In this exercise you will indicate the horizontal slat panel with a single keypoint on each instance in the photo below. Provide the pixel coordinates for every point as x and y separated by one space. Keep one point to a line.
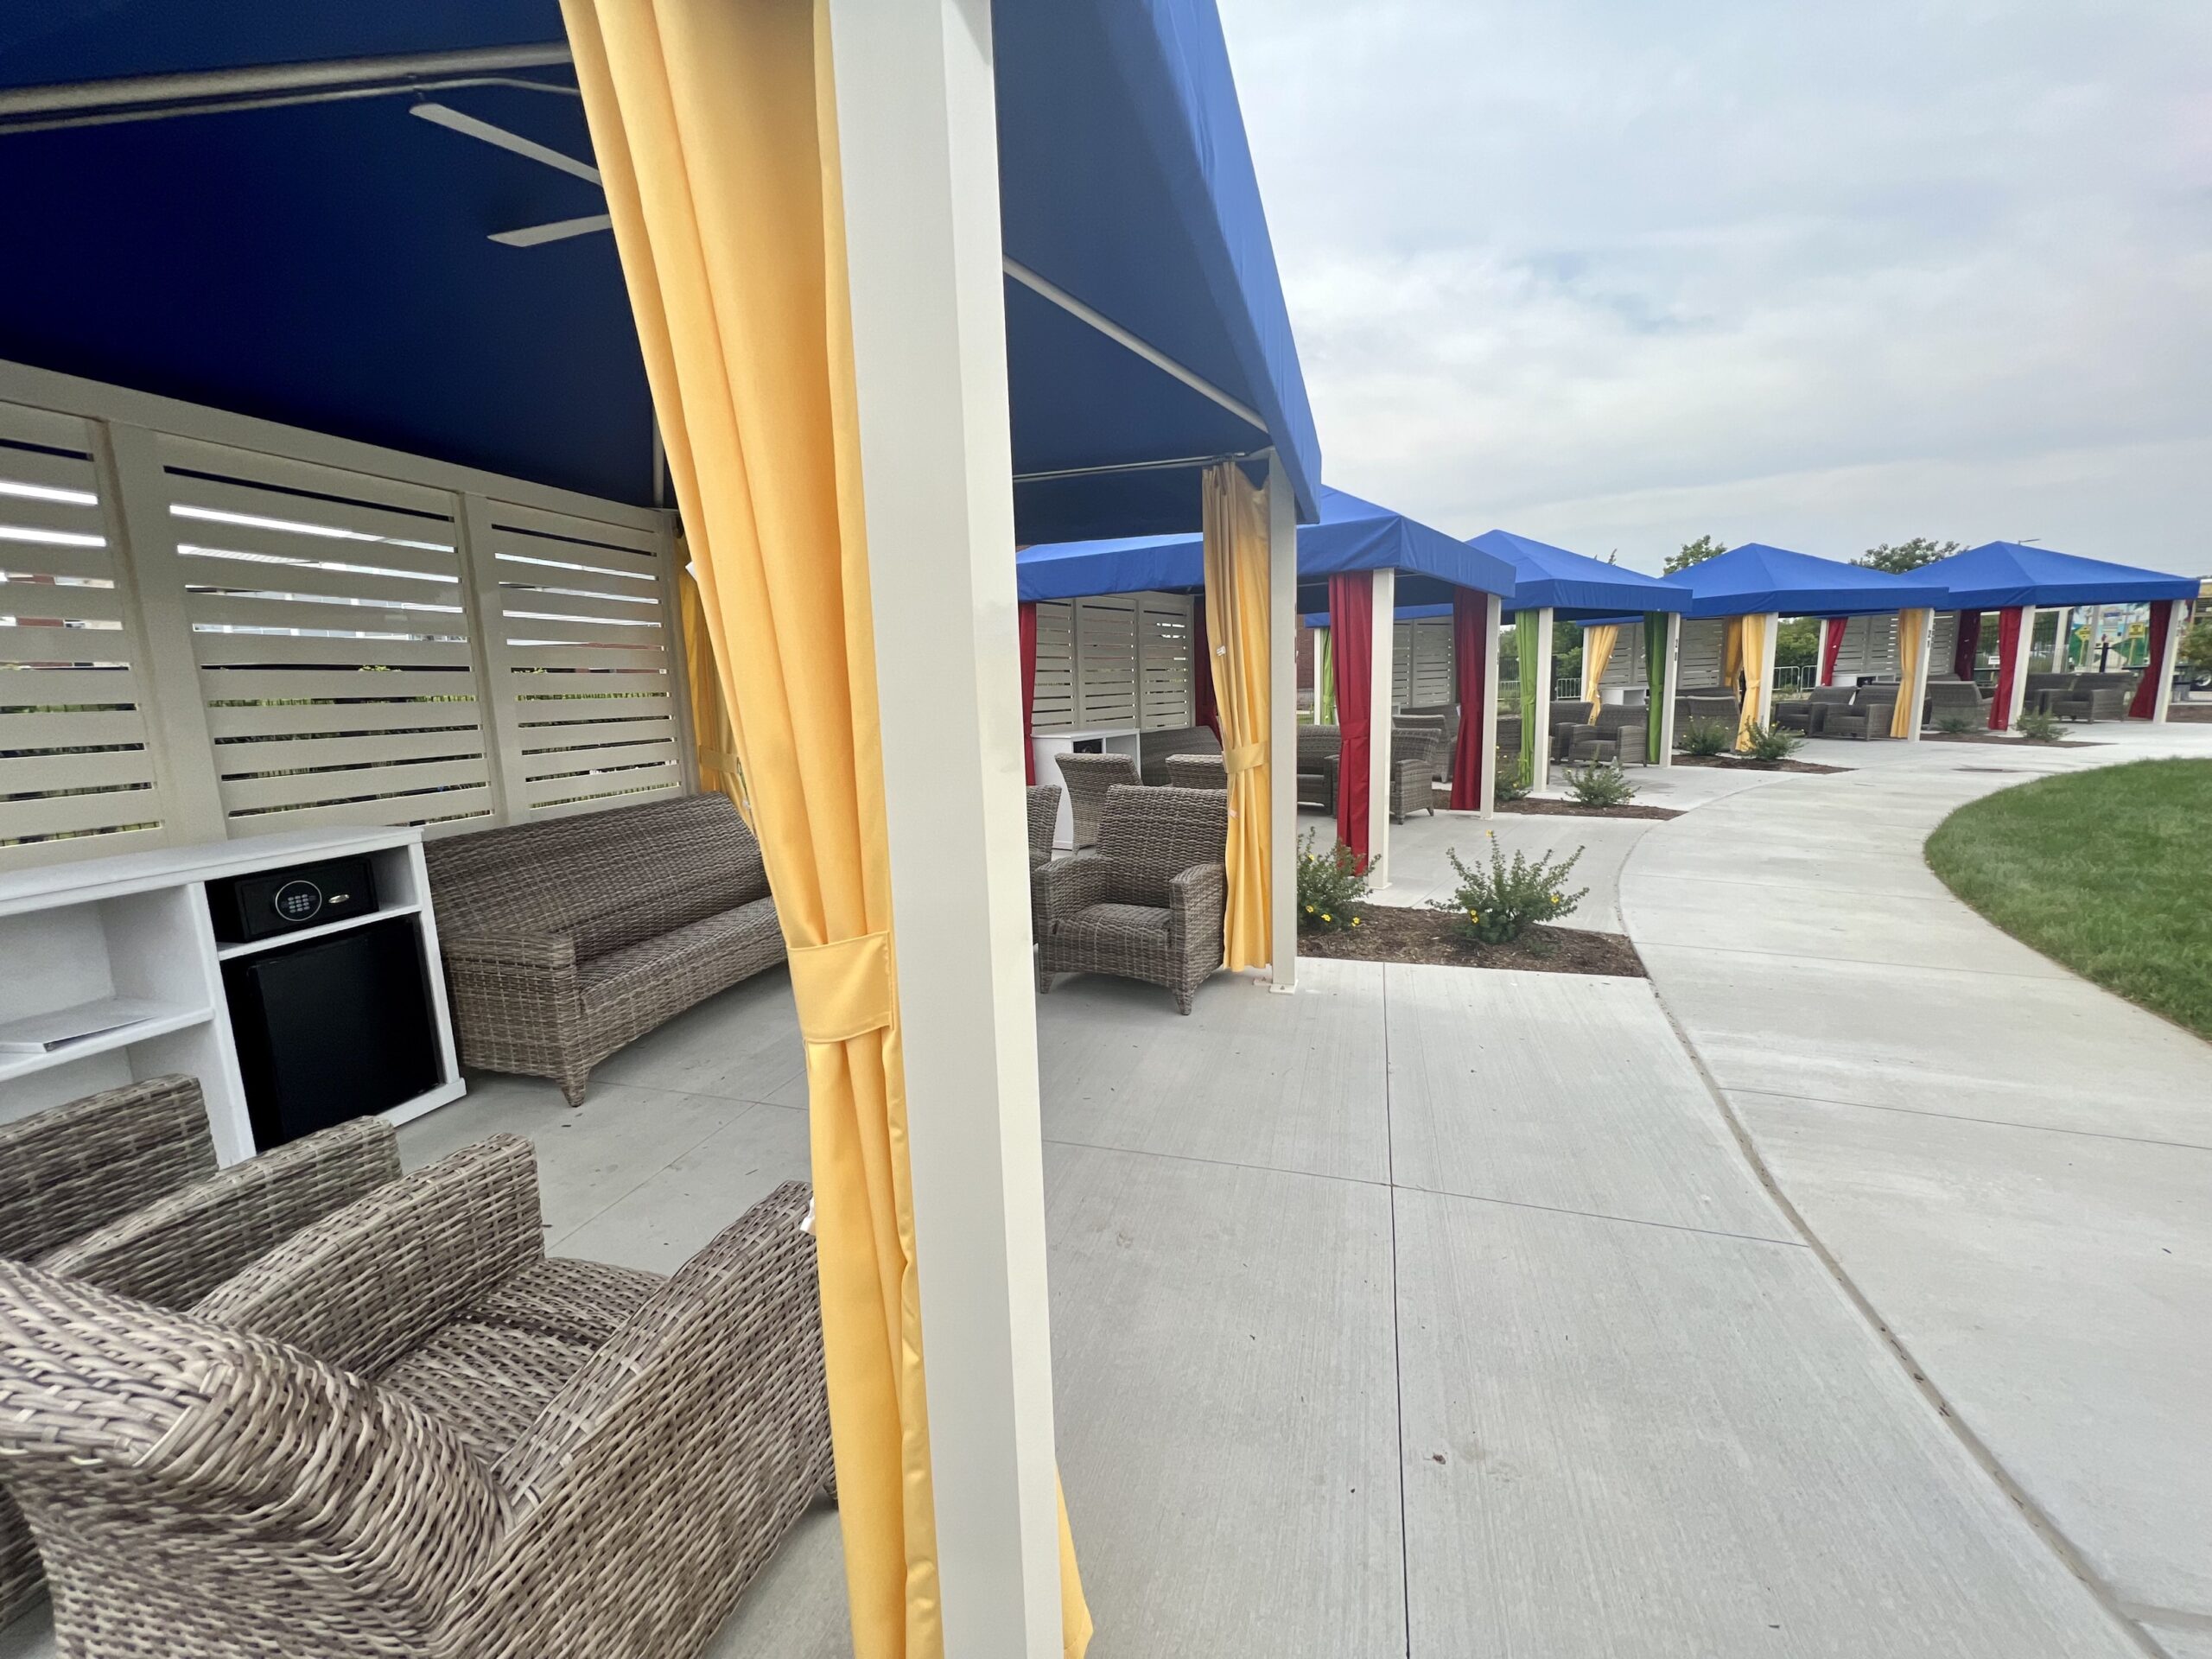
70 518
315 788
79 728
600 803
43 688
32 774
29 645
540 633
546 764
24 855
636 539
306 579
296 526
47 470
58 814
522 610
272 683
216 650
28 558
543 694
28 425
465 804
249 611
284 719
283 545
593 657
198 456
536 716
520 583
585 733
57 599
234 761
547 791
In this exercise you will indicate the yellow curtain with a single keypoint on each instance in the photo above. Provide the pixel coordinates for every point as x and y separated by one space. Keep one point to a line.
711 736
1236 628
1598 641
1747 639
716 129
1732 652
1912 690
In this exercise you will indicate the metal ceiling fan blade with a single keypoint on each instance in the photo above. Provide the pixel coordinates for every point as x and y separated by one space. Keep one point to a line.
445 116
559 231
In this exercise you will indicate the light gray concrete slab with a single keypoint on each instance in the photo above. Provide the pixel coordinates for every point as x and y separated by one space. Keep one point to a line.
2059 1288
1248 1078
1563 1090
796 1608
30 1636
666 1219
1223 1362
1641 1443
2057 1053
2181 1641
740 1044
1839 862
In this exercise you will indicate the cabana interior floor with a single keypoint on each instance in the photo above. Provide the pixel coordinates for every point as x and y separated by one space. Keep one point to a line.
1425 1311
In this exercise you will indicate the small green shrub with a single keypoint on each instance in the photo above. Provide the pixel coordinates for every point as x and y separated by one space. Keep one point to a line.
1328 885
1600 785
2041 726
1956 724
1499 903
1512 781
1770 742
1704 737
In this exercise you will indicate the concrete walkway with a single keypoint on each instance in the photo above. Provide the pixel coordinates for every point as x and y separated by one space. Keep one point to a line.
2010 1167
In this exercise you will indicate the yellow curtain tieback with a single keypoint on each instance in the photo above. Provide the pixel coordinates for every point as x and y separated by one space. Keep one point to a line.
843 988
1243 757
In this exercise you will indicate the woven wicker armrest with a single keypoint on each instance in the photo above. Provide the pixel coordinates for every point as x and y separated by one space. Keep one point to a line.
178 1248
552 952
1068 885
1197 900
1586 729
362 1287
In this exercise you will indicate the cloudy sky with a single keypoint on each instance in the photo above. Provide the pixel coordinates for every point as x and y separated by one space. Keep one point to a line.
1619 273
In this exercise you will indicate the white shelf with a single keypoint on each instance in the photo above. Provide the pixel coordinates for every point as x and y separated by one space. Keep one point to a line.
224 953
22 1066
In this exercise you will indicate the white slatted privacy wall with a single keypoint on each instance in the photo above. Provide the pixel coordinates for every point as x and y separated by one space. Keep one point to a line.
77 772
1943 642
1626 666
1054 706
333 645
1429 671
1869 647
582 662
1106 663
1164 662
1703 649
1401 661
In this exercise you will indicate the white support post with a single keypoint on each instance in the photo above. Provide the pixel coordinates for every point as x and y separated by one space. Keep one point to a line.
1538 742
2018 699
1674 664
1282 725
1382 719
499 707
1913 692
1493 617
1765 712
2162 693
2058 632
917 132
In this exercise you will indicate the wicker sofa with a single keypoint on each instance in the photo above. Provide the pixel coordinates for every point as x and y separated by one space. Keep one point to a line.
1149 902
120 1190
1869 714
565 940
2094 697
408 1431
1809 714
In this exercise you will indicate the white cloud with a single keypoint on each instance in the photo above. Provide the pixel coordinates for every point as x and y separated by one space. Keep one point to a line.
1616 274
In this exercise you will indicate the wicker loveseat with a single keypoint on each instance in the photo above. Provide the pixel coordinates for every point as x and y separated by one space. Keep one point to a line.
1615 733
1809 714
1869 714
120 1190
565 940
409 1432
2094 696
1148 903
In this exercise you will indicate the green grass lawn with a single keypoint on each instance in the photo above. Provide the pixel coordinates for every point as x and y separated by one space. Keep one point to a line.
2108 872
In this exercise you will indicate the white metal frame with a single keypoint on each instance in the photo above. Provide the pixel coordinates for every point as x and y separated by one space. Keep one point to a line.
1537 745
2018 699
1665 713
1381 721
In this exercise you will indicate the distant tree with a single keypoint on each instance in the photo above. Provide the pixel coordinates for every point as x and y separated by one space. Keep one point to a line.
1907 556
2195 650
1796 642
1696 552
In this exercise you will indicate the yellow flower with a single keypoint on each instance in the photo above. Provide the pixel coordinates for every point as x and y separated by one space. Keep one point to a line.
1355 921
1326 916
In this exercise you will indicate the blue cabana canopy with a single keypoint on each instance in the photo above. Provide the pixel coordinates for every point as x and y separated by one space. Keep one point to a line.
1755 578
1352 535
326 262
1573 584
1998 575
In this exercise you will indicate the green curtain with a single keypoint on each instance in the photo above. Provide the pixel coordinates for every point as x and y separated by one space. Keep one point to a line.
1654 674
1536 702
1324 695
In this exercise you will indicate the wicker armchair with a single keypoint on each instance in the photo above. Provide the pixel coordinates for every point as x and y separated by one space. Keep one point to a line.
1044 805
1150 902
1871 713
2094 696
1708 702
120 1190
1566 713
1320 750
1954 697
1087 777
410 1432
1447 714
1809 714
1198 772
1157 749
1617 733
567 939
1413 771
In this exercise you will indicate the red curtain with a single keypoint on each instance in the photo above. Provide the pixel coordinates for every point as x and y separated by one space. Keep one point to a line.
2009 668
1028 627
1966 650
2145 701
1204 710
1470 756
1351 630
1831 644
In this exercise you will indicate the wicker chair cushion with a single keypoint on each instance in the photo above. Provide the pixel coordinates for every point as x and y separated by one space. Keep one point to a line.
67 1172
577 1301
734 937
1096 922
486 1382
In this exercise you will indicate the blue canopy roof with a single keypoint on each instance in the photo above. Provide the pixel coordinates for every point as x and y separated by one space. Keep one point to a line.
1352 535
1755 578
1574 584
1998 575
328 263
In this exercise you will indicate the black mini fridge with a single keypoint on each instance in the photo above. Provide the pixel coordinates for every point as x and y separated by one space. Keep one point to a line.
335 1028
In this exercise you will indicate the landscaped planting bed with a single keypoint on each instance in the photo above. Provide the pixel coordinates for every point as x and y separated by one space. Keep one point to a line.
1405 933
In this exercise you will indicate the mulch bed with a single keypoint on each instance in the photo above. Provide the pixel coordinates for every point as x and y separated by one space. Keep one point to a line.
2193 713
1757 765
2008 739
1404 933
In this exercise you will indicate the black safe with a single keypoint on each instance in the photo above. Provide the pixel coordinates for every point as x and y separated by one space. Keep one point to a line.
270 902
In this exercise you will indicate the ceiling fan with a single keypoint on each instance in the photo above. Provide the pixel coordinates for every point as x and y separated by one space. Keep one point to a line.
528 235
